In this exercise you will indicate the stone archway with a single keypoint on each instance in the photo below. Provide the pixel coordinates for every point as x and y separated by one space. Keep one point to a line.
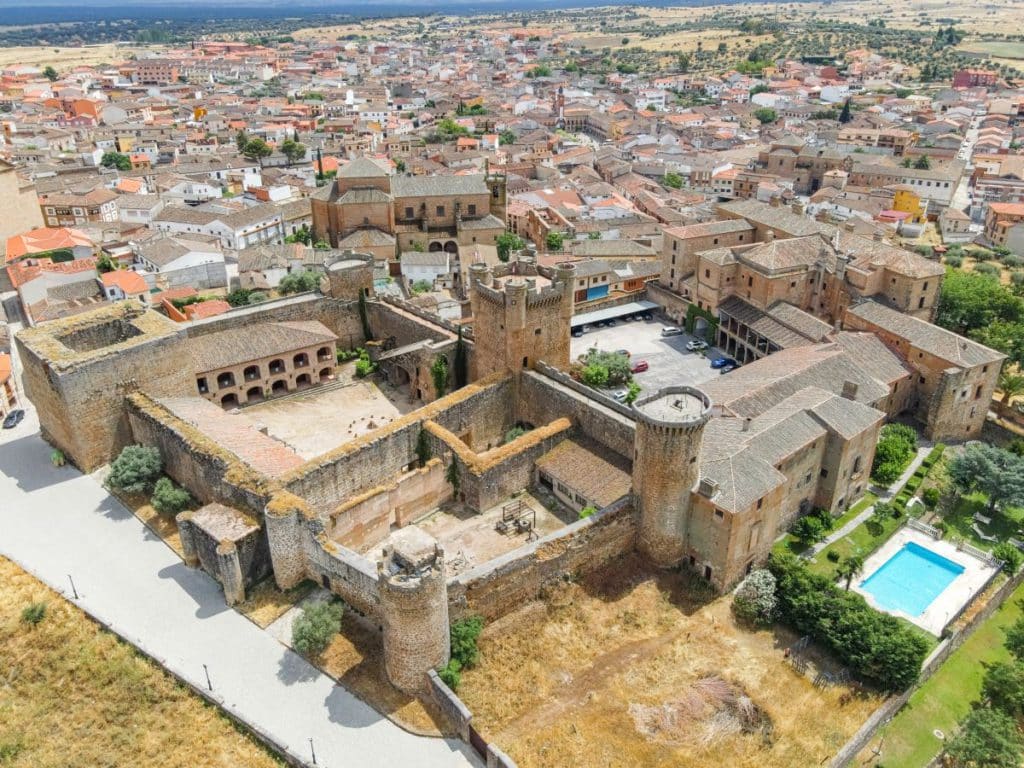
303 380
434 246
325 374
451 247
254 395
229 400
279 387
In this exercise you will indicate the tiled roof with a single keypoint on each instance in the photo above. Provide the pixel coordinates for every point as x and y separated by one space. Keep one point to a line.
234 346
438 186
598 475
937 341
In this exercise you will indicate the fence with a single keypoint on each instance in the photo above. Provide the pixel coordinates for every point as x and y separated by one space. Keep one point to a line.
917 525
888 710
461 720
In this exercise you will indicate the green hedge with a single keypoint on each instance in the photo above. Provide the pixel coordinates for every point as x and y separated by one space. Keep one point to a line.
877 647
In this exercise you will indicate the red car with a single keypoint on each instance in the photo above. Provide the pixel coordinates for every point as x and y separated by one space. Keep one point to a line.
639 366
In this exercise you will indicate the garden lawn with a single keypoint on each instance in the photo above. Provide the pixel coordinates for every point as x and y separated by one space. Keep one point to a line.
946 698
789 543
1005 522
859 541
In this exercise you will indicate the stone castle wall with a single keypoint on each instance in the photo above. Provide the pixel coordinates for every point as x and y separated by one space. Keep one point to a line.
208 471
505 583
482 411
545 395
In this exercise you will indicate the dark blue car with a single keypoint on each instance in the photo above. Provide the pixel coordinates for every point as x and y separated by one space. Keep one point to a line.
722 362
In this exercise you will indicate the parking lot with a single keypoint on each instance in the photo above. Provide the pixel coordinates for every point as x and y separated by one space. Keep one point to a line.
670 363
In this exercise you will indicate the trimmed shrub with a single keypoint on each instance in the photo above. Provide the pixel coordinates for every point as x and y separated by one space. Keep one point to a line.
464 636
808 529
876 646
135 469
832 556
450 674
318 623
1010 555
169 499
754 600
33 613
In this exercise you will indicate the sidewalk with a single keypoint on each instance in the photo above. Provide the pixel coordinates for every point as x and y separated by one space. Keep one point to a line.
923 449
56 522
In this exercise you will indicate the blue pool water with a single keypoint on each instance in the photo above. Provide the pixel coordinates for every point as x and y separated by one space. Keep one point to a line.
911 579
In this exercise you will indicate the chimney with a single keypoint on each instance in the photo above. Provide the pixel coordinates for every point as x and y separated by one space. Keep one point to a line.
769 235
707 487
850 390
746 423
848 225
877 236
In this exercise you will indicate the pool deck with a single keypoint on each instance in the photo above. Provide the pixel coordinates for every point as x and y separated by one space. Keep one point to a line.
944 607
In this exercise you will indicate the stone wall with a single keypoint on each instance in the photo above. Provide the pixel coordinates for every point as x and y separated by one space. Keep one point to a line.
489 477
501 585
367 519
200 465
344 572
546 394
481 412
404 324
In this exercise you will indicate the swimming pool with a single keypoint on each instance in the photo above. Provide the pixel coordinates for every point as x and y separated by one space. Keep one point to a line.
910 580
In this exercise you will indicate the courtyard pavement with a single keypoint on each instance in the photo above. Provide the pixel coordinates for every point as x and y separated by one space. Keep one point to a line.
58 522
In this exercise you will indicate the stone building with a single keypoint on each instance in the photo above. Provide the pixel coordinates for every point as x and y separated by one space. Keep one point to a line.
406 213
257 362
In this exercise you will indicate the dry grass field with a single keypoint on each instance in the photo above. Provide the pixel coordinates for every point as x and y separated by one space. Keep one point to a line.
62 59
630 670
72 694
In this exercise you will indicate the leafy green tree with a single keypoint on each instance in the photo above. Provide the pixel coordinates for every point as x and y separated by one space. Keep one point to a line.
105 264
594 375
1003 687
970 302
1015 639
256 149
299 282
241 139
555 241
439 375
400 165
988 738
1010 555
135 469
766 115
672 180
423 451
683 62
464 636
897 445
169 499
923 163
314 628
116 160
507 137
507 242
997 473
293 150
50 73
239 297
632 392
302 235
808 530
754 600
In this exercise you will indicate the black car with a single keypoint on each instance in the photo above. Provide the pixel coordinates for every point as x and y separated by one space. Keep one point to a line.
577 332
14 418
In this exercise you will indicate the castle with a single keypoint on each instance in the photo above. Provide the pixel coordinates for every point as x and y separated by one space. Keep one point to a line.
703 479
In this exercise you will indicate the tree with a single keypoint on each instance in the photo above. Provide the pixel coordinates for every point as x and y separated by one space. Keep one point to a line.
105 264
439 375
1010 385
299 282
314 628
849 568
987 738
754 599
453 478
461 362
302 235
722 47
672 180
1015 639
923 163
507 242
506 137
766 115
970 301
1010 555
683 62
50 73
464 636
241 139
135 469
423 450
632 392
116 160
169 499
293 150
845 115
997 473
554 241
1003 687
400 166
256 149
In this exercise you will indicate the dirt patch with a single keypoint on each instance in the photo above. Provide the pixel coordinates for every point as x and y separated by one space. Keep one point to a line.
265 603
635 668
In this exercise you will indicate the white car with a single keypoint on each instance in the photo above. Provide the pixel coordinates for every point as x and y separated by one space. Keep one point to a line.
696 345
671 331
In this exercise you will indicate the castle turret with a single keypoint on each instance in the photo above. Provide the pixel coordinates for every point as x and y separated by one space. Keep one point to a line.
414 608
666 467
351 275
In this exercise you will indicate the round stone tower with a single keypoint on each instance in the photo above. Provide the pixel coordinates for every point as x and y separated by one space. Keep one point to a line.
666 467
351 275
414 608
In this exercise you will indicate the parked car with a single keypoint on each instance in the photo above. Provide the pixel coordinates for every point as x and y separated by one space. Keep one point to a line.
578 331
671 330
727 368
14 418
622 352
696 345
722 362
611 323
620 395
647 316
639 366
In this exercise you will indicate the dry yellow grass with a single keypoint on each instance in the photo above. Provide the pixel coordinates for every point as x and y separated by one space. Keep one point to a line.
72 694
265 603
355 658
64 58
615 674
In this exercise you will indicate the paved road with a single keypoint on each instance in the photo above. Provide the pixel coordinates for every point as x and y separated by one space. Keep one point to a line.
55 522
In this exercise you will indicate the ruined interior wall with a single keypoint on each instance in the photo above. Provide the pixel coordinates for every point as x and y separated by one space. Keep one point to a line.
483 408
367 519
507 582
